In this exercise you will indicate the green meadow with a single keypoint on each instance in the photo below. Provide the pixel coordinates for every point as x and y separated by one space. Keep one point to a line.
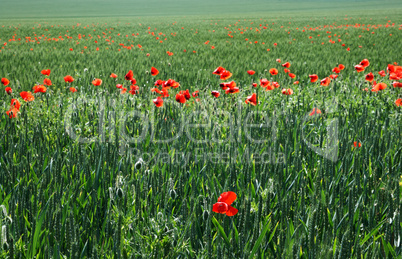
102 164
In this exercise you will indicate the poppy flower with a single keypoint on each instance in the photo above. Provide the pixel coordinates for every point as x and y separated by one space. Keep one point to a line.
255 84
5 81
264 82
365 63
195 94
68 79
47 82
180 98
14 109
227 85
369 77
359 68
379 87
250 72
8 90
313 78
119 86
381 73
123 90
223 205
45 72
252 99
218 71
232 90
129 76
325 81
225 75
287 91
286 70
215 94
357 144
133 81
394 84
278 60
315 111
73 90
39 89
113 75
27 96
273 71
276 84
186 94
287 65
158 102
134 89
97 82
296 82
154 71
336 70
398 102
171 83
341 67
291 75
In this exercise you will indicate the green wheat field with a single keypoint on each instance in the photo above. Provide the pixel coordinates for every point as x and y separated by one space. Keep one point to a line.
200 129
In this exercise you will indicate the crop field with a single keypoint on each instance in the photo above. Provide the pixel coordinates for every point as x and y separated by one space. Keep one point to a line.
173 129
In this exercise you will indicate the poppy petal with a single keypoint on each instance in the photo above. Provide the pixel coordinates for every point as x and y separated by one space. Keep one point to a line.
227 197
220 207
231 211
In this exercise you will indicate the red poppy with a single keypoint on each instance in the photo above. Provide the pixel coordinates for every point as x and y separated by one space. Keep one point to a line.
359 68
296 82
336 70
287 91
365 63
39 89
225 75
5 81
369 77
158 102
379 87
357 144
287 65
252 99
180 98
227 85
223 205
113 75
133 81
381 73
68 79
123 90
273 71
255 84
232 90
276 84
186 94
264 82
73 90
313 78
291 75
119 86
394 84
97 82
215 94
325 81
154 71
315 111
129 76
14 109
278 60
286 70
341 67
251 72
333 76
171 83
195 94
218 71
8 90
45 72
398 102
47 82
134 89
27 96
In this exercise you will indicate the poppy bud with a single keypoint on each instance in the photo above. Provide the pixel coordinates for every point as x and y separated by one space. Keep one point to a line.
5 246
138 165
169 64
205 215
147 72
120 193
173 194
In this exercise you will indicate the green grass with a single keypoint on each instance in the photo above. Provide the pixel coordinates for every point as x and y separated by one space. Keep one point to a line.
114 197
